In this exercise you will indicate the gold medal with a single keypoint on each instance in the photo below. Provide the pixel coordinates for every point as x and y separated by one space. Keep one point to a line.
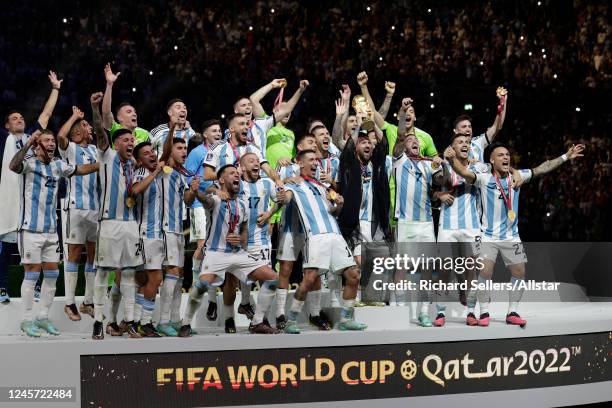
167 169
511 215
435 165
333 195
283 83
130 202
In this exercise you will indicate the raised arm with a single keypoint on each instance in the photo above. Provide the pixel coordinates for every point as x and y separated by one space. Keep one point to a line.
459 168
502 94
259 94
107 113
285 109
45 115
342 108
362 80
62 135
168 144
549 165
384 108
16 164
101 136
401 125
270 172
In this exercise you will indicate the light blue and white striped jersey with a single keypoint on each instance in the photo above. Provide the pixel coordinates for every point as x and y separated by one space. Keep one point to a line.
39 193
195 165
149 206
223 153
477 147
160 134
330 164
220 216
290 221
82 190
256 134
413 179
313 208
464 212
494 221
173 188
333 149
256 197
367 196
115 177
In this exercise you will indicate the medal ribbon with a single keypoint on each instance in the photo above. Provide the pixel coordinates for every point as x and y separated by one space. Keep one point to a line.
313 181
502 103
233 217
128 174
506 197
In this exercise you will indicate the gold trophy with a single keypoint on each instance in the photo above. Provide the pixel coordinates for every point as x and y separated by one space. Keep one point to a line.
360 104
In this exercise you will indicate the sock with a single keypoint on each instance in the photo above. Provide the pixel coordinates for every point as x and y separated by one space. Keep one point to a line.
148 306
195 268
195 300
71 276
347 309
47 292
27 293
471 301
128 292
483 296
440 304
90 276
296 308
425 299
314 302
177 297
212 294
281 301
166 298
245 293
99 298
515 295
115 298
138 304
228 311
335 287
264 300
400 297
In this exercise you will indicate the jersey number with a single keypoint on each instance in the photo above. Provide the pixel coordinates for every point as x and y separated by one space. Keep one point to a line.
254 202
51 182
314 190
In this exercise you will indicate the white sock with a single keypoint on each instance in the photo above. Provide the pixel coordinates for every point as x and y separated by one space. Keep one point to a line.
296 308
245 293
228 311
128 292
47 292
138 304
177 297
314 302
148 306
264 301
27 293
90 276
71 276
166 297
281 301
483 296
195 300
115 298
99 298
347 309
212 294
400 297
514 296
196 264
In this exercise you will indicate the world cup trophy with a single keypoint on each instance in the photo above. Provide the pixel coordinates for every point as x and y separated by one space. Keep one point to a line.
360 104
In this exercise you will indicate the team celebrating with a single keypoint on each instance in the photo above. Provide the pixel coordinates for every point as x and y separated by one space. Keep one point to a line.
259 199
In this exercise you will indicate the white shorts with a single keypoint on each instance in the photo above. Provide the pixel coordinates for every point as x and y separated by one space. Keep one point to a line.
79 226
197 224
412 238
153 251
289 246
365 235
119 245
240 264
38 247
175 249
262 254
512 251
327 252
469 240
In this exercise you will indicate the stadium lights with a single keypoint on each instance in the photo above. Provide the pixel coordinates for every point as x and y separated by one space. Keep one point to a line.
539 3
522 38
548 214
223 116
481 63
555 76
134 89
272 11
368 8
393 27
360 41
380 58
150 72
432 106
577 108
65 20
544 56
395 115
530 53
431 94
175 47
250 28
543 50
429 10
468 107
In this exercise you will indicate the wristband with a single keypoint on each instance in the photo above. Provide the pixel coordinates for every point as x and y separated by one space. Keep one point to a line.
564 157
